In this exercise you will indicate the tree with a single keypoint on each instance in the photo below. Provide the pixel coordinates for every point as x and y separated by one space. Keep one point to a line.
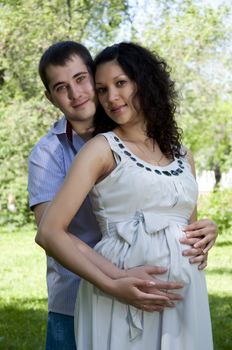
27 28
195 40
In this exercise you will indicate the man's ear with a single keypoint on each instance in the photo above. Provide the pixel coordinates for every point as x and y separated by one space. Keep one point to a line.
49 97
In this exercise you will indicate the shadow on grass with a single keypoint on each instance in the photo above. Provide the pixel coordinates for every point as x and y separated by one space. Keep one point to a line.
224 243
221 315
23 324
220 271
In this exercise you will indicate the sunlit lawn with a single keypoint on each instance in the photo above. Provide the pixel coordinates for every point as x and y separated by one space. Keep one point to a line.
219 281
23 291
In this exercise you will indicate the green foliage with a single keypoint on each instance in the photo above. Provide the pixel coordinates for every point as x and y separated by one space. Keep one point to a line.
210 135
27 28
217 206
22 124
195 40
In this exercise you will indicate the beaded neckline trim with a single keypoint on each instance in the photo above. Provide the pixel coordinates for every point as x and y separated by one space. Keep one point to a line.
174 172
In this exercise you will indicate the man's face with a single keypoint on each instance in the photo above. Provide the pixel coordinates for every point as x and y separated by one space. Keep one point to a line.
71 89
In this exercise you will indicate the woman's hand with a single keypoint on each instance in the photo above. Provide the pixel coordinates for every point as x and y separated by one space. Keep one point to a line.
144 294
141 289
201 235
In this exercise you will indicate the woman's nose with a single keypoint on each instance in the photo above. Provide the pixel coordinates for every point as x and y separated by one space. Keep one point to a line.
112 95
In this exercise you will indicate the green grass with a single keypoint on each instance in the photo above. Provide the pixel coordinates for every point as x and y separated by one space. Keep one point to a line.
23 297
23 301
219 282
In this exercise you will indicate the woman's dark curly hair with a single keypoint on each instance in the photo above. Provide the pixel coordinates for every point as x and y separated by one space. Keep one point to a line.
155 92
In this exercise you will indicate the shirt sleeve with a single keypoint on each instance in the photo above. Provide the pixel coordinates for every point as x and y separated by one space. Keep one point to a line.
46 172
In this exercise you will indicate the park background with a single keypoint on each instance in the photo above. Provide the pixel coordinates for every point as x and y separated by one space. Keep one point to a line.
195 39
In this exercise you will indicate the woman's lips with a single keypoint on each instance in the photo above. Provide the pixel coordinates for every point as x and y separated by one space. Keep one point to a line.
117 109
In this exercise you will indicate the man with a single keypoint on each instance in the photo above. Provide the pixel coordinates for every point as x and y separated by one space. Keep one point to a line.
66 71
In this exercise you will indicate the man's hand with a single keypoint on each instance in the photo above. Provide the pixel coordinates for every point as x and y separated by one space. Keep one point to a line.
157 295
201 235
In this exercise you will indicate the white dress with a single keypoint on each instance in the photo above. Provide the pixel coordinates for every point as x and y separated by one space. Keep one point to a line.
141 209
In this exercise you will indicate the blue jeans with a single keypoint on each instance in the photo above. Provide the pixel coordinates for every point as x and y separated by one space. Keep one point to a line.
60 332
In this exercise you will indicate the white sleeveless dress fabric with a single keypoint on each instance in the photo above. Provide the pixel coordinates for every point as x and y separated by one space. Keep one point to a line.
141 209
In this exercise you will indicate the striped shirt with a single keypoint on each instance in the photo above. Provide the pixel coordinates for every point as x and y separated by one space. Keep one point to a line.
48 165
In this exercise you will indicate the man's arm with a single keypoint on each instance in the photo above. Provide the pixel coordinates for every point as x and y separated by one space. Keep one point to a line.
201 234
39 211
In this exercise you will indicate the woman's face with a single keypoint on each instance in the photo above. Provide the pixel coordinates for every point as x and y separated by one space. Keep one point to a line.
115 91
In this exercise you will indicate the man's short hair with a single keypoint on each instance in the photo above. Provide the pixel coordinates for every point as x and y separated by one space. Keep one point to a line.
59 53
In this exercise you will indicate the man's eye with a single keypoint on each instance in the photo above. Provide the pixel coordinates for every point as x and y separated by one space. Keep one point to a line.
61 88
80 78
101 91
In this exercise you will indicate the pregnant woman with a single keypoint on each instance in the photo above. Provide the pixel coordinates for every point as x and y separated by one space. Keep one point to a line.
144 192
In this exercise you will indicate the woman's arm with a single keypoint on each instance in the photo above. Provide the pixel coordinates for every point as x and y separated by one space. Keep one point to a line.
93 162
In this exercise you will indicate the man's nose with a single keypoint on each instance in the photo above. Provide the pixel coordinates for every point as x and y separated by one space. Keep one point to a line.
74 92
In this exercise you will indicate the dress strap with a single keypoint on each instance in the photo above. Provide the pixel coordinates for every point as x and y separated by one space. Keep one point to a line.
115 145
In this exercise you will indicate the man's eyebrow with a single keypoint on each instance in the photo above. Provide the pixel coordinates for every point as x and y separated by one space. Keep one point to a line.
74 76
80 73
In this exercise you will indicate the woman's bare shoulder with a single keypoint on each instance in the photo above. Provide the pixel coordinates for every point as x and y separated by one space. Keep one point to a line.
96 152
97 142
190 158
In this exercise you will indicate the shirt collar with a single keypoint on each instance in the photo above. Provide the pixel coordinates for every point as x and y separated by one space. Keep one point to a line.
63 126
60 126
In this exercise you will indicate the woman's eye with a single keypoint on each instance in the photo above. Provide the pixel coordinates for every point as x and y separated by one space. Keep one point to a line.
120 83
